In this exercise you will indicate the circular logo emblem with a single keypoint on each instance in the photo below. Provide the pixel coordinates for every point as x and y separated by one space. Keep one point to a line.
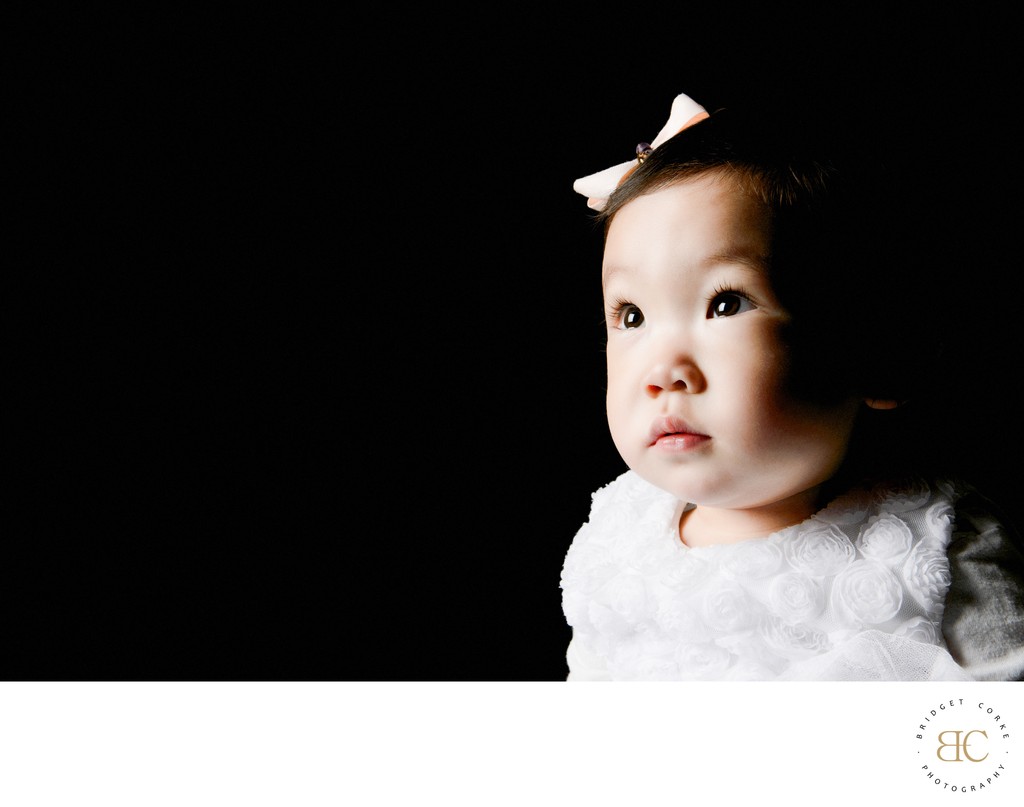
963 746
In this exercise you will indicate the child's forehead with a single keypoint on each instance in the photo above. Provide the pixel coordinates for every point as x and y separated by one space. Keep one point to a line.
714 205
698 225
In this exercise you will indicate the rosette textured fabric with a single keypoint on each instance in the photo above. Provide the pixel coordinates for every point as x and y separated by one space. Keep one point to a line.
856 592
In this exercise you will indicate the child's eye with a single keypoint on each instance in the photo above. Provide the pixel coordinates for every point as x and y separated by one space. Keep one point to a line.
729 303
627 315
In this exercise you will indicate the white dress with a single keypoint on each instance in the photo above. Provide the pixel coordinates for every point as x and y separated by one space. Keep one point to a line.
856 592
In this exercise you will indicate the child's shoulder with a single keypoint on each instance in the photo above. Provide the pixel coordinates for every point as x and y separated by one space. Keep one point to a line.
970 508
627 514
628 486
983 622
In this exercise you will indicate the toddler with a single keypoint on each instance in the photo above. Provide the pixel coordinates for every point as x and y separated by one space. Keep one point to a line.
759 283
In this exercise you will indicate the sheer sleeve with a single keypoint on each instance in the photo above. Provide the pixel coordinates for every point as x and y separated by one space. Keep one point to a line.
983 621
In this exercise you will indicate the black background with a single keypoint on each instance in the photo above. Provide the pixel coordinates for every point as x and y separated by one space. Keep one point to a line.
317 372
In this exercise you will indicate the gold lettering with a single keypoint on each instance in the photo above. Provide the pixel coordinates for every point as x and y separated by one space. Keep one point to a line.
943 744
961 745
967 742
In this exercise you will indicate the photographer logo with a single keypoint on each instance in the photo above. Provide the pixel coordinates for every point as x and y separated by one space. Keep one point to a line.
963 746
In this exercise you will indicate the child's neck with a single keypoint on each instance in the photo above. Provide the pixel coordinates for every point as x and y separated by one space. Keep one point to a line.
707 526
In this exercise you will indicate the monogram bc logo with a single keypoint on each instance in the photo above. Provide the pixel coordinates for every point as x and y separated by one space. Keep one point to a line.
961 746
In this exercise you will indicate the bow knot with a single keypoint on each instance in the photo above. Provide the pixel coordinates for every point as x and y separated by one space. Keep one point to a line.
598 187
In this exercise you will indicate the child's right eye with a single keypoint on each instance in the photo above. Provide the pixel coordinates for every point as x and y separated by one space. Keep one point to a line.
628 316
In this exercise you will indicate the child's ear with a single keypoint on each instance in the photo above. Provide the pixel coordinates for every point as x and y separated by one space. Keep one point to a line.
882 403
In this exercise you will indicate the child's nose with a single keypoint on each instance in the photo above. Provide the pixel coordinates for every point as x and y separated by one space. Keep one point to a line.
677 374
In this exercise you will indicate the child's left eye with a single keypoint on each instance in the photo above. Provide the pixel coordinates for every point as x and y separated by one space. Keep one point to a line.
729 304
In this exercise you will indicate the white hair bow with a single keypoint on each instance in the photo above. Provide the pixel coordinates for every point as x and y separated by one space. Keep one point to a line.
598 187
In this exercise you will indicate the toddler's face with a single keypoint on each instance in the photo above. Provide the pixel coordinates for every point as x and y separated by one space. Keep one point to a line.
696 363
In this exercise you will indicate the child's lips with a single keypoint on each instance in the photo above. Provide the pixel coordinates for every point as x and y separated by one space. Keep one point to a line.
675 434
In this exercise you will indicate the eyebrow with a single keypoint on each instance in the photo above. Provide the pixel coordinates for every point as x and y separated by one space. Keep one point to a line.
755 263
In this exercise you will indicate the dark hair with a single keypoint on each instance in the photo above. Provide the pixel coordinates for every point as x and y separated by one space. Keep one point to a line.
848 259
